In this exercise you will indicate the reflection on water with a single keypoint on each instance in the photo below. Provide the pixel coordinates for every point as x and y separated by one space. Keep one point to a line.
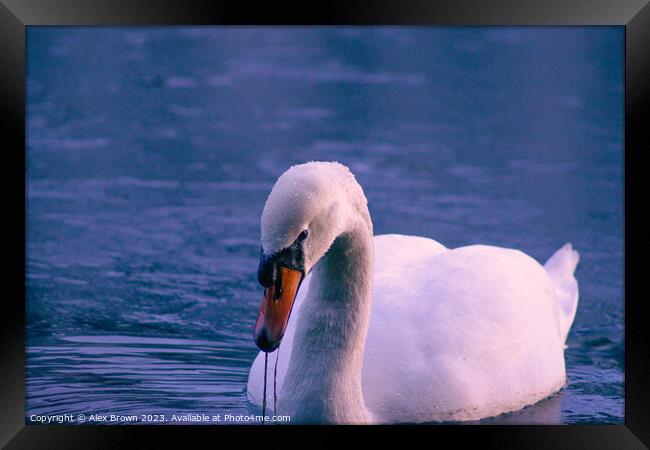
151 152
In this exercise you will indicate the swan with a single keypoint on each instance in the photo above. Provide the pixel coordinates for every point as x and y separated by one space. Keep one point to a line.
394 328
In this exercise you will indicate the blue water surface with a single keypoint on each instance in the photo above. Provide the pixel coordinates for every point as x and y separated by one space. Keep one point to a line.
151 152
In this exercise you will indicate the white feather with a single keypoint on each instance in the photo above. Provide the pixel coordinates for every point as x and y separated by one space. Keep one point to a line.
442 334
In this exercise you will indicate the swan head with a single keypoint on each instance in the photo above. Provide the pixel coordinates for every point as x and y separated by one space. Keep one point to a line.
309 206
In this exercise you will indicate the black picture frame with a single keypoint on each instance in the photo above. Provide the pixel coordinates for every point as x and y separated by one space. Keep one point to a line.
15 15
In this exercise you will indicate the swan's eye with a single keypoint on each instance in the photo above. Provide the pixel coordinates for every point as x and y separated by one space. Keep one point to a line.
302 236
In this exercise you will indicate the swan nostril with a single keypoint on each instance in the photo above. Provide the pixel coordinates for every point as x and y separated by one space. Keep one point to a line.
277 291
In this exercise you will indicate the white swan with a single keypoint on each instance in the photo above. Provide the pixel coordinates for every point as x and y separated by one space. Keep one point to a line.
453 334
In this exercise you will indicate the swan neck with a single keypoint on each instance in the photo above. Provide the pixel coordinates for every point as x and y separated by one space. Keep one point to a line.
324 377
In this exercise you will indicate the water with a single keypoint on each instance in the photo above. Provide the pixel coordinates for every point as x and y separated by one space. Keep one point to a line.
151 152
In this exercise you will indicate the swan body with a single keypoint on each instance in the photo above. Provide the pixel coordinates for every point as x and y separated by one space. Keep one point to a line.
401 329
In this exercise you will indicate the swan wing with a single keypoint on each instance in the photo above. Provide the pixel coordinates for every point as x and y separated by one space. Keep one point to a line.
467 333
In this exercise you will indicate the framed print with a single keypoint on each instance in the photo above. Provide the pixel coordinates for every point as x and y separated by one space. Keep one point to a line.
384 220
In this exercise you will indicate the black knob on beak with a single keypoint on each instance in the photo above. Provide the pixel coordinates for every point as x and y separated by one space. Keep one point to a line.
267 270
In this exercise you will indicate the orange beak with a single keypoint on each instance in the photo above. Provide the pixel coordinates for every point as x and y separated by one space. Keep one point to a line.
275 309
